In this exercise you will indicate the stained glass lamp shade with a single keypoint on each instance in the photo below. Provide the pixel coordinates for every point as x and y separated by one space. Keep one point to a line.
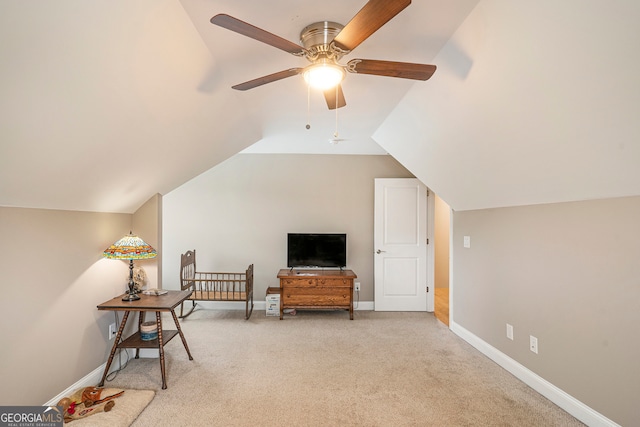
130 247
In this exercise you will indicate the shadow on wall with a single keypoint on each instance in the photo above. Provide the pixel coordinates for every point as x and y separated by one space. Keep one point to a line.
456 61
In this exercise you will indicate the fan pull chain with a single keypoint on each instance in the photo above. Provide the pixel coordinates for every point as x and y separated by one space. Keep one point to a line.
335 134
308 126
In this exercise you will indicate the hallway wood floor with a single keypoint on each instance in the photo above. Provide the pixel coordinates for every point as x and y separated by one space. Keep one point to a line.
441 303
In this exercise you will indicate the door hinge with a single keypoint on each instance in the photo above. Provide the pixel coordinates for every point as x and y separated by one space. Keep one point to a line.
427 241
427 289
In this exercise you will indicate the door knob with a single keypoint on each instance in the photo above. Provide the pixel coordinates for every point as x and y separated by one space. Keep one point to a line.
379 251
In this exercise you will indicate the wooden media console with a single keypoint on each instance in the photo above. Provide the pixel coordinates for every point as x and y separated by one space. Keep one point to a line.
316 289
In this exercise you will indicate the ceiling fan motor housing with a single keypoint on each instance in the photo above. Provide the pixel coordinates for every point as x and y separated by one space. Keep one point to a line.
316 39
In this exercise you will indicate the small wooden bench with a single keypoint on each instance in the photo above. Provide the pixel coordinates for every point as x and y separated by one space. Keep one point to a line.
215 286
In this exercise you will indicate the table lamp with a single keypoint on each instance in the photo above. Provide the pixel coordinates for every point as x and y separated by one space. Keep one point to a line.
130 247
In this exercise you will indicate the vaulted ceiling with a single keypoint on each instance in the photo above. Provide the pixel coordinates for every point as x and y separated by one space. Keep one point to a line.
105 103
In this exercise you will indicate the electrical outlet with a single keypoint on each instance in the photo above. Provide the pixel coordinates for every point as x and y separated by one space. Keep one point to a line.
112 331
356 286
533 344
510 331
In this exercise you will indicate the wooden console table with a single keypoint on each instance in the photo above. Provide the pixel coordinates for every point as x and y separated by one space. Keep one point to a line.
161 303
316 289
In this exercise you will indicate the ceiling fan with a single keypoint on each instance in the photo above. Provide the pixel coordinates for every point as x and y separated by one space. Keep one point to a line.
325 43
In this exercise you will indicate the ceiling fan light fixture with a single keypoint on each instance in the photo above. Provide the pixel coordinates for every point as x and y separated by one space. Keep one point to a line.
324 76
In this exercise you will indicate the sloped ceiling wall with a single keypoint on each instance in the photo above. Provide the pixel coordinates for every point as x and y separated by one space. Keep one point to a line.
533 102
100 105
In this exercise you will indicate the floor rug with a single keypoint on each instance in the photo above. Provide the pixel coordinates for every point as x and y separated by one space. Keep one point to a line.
126 410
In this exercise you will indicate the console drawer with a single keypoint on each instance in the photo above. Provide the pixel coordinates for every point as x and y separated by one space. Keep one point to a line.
308 281
317 297
300 282
335 282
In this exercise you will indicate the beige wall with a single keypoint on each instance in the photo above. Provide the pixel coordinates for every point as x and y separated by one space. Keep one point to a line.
568 274
52 277
147 224
441 242
240 212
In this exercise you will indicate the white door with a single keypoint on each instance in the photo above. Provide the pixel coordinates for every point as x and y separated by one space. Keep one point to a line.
400 245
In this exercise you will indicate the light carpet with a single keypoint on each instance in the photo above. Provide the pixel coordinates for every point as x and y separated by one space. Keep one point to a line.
319 368
127 408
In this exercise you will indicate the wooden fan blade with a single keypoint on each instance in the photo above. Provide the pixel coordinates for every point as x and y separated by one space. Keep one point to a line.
268 79
330 97
241 27
367 21
405 70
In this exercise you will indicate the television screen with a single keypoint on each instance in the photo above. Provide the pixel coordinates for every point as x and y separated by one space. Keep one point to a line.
316 250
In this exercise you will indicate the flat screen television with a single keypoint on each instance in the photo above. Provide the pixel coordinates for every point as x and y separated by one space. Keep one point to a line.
316 250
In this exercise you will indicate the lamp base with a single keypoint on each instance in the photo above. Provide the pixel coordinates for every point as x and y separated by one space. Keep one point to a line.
130 297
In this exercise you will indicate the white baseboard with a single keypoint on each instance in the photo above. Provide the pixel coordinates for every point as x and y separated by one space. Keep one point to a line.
94 377
224 305
363 305
260 305
91 379
567 402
